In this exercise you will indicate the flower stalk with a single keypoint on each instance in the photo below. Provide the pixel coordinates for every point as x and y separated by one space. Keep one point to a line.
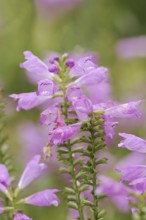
74 193
96 136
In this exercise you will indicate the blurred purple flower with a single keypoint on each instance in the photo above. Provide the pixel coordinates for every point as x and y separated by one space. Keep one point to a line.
21 216
32 170
133 158
4 176
126 110
132 142
44 198
131 47
53 8
93 77
133 172
32 138
117 192
139 185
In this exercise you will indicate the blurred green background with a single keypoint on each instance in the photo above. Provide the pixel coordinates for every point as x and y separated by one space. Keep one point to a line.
93 25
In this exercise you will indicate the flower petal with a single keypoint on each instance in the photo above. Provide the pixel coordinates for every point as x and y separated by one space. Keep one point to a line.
44 198
33 170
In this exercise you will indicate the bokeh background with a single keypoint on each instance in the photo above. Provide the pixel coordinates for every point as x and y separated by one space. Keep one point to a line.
90 25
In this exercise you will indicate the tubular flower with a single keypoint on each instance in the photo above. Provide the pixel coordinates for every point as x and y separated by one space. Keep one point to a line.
61 134
131 173
116 191
44 198
132 142
126 110
33 170
21 216
36 68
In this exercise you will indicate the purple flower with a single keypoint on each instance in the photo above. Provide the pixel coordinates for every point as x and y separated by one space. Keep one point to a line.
53 68
4 189
61 134
52 118
1 210
110 187
36 68
44 198
126 110
70 63
99 93
73 93
117 192
32 170
139 185
132 142
82 66
46 87
131 47
32 138
94 77
130 173
29 100
109 130
83 107
133 158
4 176
21 216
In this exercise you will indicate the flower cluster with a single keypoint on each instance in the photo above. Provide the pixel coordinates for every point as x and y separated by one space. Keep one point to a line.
131 191
79 125
32 171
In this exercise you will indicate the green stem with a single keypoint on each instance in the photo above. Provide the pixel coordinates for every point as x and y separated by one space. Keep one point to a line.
74 181
69 147
94 175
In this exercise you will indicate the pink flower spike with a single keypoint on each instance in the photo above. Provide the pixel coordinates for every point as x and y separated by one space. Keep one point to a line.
37 69
132 142
4 176
33 170
29 100
44 198
126 110
21 216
